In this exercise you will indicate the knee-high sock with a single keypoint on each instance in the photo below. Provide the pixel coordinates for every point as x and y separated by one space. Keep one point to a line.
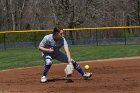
46 69
78 68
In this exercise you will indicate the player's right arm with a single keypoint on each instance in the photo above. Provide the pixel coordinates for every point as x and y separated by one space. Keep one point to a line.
46 50
42 45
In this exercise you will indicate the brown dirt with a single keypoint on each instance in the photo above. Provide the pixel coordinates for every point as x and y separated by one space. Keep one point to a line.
109 76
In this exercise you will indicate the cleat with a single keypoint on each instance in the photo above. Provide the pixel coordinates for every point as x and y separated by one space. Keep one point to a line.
87 75
43 79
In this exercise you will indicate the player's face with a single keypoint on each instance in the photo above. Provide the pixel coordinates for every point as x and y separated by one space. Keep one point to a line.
59 35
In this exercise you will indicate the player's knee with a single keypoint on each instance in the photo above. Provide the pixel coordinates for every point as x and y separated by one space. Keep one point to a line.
48 62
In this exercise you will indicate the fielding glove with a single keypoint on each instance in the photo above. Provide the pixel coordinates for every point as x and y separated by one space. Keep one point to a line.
69 69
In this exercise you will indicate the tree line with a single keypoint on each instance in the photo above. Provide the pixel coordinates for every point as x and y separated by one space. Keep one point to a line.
46 14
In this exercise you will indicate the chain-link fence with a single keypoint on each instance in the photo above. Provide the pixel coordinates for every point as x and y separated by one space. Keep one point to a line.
77 36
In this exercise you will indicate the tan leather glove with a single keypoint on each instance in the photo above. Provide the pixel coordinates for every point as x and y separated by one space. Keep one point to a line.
69 69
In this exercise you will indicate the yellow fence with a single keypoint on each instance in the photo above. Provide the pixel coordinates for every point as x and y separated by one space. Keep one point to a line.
71 29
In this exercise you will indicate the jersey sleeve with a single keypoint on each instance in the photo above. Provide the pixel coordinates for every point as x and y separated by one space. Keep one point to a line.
43 42
65 43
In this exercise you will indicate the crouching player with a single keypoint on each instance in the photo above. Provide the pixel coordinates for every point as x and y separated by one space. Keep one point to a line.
50 46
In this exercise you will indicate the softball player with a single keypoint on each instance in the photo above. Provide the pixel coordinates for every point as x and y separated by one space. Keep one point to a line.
50 46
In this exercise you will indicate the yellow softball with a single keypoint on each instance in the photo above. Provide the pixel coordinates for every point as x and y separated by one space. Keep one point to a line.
86 67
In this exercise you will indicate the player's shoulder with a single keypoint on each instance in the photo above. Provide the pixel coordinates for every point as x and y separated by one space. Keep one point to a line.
48 36
63 38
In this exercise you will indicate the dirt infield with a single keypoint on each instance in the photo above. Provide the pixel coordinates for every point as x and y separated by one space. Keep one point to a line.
109 76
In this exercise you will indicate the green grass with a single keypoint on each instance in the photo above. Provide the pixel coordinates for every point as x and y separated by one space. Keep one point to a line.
104 52
27 57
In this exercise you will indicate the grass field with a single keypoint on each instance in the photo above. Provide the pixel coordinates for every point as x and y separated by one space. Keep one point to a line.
27 57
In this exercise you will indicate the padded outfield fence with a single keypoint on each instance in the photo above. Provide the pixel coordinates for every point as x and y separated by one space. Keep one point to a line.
75 36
